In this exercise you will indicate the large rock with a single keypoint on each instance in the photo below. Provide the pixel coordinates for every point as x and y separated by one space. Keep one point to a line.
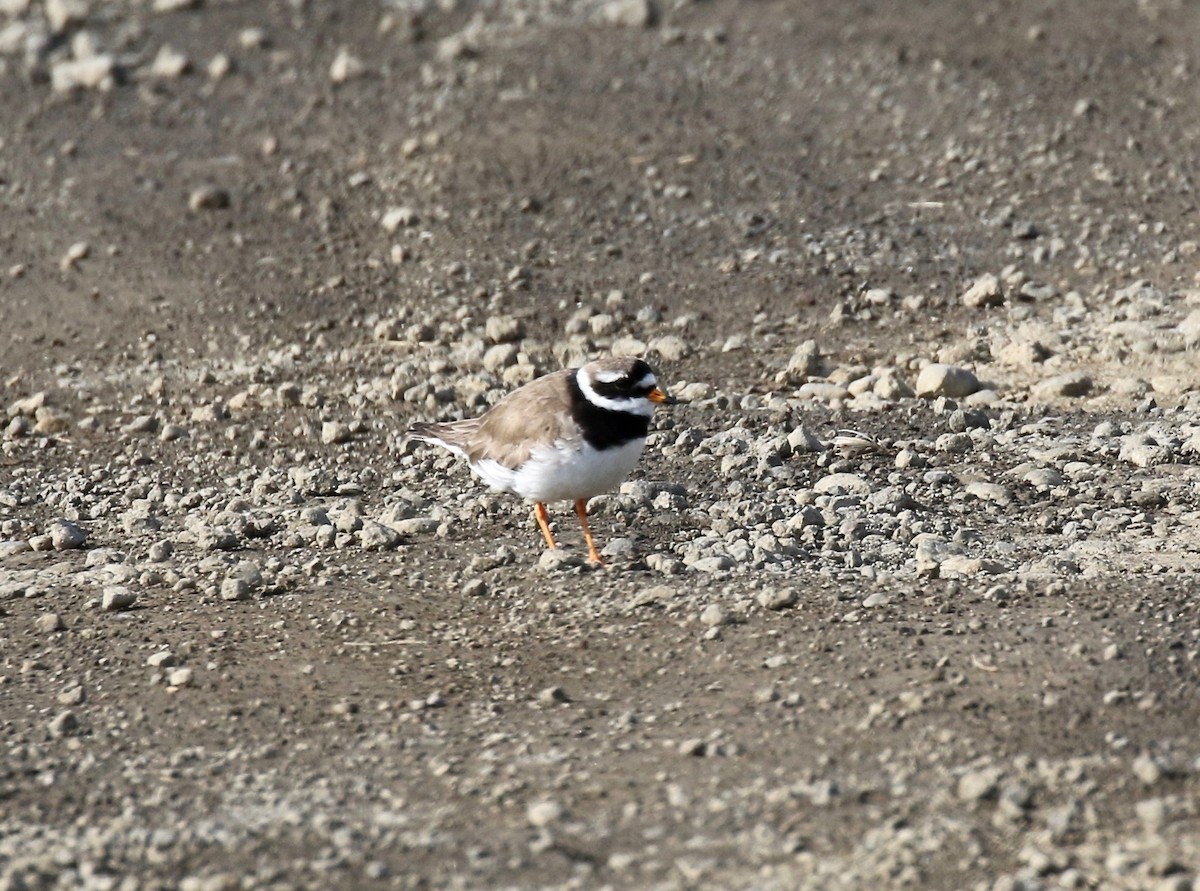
1071 386
951 381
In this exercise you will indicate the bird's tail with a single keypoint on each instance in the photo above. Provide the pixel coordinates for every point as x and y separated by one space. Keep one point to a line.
422 431
451 435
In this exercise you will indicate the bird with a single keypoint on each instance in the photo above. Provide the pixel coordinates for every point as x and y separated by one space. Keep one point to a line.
565 436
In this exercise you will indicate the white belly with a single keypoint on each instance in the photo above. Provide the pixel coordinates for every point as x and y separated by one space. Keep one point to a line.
564 474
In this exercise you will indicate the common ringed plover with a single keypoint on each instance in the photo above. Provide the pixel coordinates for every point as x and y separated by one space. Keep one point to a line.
566 436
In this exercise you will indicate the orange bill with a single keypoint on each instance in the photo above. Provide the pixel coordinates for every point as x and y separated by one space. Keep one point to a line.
662 397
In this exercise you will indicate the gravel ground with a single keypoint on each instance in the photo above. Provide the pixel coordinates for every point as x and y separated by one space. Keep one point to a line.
903 595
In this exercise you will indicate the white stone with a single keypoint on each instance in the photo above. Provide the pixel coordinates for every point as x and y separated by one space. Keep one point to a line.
66 535
833 483
543 813
986 291
116 598
375 536
346 66
12 37
504 329
993 492
630 13
670 347
95 73
397 217
805 362
169 63
61 14
951 381
334 432
715 615
978 784
233 589
931 552
801 439
1190 328
776 598
1071 385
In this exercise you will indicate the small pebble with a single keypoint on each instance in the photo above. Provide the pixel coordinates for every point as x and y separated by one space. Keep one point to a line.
71 694
775 598
116 598
543 813
1147 770
160 551
850 483
346 66
334 432
169 63
48 623
559 560
985 291
552 696
714 563
715 615
475 587
94 73
161 659
208 198
64 724
504 329
399 217
66 535
975 785
951 381
1069 386
629 13
236 588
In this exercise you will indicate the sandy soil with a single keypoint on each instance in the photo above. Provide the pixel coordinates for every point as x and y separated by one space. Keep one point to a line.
245 244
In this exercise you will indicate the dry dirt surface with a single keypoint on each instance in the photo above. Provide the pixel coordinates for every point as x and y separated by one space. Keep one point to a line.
250 639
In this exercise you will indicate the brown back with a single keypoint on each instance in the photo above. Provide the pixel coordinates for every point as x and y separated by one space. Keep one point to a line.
538 413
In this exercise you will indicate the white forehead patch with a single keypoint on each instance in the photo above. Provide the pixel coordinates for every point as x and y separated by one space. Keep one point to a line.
611 377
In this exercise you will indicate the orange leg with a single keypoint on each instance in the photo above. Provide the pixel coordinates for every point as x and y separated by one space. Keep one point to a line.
543 521
581 512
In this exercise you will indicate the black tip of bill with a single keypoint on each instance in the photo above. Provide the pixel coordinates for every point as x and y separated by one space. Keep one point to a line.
662 397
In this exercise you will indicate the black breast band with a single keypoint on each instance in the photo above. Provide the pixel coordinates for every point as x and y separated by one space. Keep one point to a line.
602 427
